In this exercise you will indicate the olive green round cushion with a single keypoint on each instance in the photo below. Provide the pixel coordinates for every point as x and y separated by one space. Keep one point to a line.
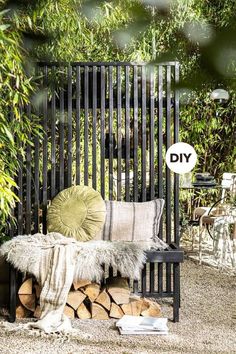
77 212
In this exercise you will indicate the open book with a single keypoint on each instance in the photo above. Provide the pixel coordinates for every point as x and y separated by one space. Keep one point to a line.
142 325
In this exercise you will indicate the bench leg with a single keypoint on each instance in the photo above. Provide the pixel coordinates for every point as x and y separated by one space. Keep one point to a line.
12 295
135 289
176 290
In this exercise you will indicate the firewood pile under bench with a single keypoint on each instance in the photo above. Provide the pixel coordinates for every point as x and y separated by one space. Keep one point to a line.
90 300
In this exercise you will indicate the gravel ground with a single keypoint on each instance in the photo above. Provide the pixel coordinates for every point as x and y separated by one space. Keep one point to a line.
207 324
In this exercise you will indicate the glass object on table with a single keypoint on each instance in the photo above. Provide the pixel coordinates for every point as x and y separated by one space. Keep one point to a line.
186 180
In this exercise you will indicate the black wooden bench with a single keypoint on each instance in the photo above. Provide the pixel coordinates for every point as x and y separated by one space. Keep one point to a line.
103 121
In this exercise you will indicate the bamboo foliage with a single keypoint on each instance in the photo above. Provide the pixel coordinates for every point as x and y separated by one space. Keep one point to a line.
196 33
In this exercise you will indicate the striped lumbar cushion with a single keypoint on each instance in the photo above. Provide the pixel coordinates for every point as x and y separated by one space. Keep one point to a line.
132 221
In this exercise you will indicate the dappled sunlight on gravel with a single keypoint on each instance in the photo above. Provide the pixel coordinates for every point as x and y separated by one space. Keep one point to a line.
207 324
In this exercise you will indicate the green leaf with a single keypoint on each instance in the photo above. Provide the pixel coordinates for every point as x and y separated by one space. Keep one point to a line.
9 135
3 12
4 27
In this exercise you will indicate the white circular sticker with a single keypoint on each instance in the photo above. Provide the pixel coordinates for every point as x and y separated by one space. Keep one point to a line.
181 158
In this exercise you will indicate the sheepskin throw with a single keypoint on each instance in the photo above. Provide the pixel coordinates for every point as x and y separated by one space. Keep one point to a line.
56 261
130 221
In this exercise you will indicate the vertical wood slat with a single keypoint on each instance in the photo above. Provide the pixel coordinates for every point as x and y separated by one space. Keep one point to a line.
176 139
28 181
135 133
160 140
110 272
102 162
61 135
152 277
144 280
12 294
168 143
13 211
78 122
160 278
36 182
144 137
176 290
127 135
119 135
20 229
45 153
86 123
110 126
168 173
151 135
94 133
69 136
53 141
12 223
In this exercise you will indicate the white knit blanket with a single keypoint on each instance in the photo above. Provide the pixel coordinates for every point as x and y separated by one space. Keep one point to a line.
57 261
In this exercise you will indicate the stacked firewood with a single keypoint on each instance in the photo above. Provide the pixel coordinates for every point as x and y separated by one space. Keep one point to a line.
90 300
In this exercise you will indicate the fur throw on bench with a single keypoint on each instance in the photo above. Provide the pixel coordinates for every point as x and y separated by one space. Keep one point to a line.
57 261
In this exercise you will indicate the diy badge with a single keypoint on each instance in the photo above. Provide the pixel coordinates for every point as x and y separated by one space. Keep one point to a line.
181 158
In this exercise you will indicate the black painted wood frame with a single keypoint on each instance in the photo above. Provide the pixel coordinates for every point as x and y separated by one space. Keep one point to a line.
107 125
